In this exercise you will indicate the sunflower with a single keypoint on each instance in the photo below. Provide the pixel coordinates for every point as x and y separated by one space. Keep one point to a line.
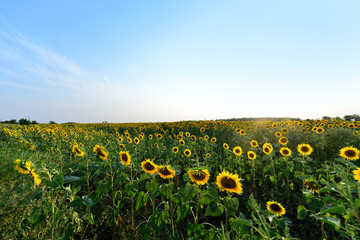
356 173
150 136
187 134
100 151
125 157
283 140
275 208
254 143
187 152
129 140
349 153
284 130
251 155
285 151
237 150
193 137
148 166
175 149
199 177
278 134
181 142
304 149
319 130
122 146
310 185
158 136
208 155
165 171
242 132
136 140
77 150
202 129
213 139
267 148
229 182
225 146
206 137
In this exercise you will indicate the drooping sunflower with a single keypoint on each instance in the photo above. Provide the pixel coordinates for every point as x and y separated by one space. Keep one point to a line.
251 155
254 143
148 166
77 150
356 173
285 151
237 150
165 171
304 149
193 137
310 185
225 146
349 153
275 208
283 140
125 157
284 130
199 176
267 148
187 152
229 182
100 151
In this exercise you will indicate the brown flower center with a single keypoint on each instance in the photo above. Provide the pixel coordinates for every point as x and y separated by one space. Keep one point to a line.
275 207
124 157
148 166
165 171
304 149
228 183
198 175
350 153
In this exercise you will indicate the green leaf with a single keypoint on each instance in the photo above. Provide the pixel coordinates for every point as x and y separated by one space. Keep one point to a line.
333 209
37 195
131 189
101 190
240 221
210 195
232 205
57 181
77 202
152 186
182 211
334 221
301 212
214 210
166 189
68 179
158 220
88 201
141 200
195 230
190 191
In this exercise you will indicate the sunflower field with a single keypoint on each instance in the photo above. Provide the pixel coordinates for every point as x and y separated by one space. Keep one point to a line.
288 179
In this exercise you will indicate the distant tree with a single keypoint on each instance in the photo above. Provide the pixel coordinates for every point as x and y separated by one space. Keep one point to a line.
24 121
326 118
12 121
353 117
34 122
52 122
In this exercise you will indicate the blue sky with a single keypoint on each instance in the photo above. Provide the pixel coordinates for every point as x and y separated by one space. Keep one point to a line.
140 61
